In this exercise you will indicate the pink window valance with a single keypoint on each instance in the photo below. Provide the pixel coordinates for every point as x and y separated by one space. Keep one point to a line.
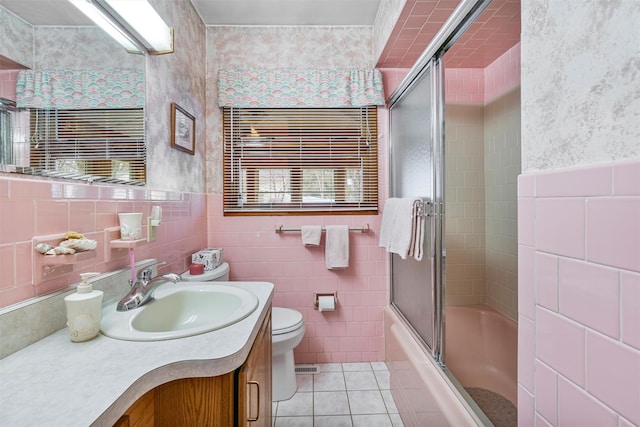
80 89
244 88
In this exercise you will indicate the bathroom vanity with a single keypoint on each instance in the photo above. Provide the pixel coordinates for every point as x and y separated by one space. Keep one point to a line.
241 398
222 377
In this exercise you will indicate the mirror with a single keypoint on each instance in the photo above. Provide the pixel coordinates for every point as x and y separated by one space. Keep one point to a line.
102 142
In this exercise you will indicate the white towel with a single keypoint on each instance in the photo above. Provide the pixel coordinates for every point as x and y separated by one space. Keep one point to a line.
417 235
402 228
311 235
336 247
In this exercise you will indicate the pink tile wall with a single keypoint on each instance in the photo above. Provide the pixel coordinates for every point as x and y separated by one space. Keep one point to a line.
579 275
502 74
483 85
8 84
255 252
31 208
352 333
464 86
391 79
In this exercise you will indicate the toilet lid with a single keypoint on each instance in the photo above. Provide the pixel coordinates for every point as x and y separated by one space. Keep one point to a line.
284 320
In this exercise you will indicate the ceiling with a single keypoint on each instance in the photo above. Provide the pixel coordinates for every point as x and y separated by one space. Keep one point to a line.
495 31
221 12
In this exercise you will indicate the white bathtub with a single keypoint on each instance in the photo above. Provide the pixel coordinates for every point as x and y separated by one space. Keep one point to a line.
481 347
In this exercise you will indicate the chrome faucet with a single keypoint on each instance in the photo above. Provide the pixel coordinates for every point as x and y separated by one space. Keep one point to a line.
142 290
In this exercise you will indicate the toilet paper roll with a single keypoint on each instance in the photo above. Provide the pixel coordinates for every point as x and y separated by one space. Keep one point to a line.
326 303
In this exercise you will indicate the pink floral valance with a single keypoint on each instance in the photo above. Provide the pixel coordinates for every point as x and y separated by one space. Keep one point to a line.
80 89
244 88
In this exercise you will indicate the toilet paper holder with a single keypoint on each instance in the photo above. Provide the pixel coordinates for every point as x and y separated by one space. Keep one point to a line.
316 298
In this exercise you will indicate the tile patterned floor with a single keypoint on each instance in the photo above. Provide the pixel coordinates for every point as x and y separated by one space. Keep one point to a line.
341 395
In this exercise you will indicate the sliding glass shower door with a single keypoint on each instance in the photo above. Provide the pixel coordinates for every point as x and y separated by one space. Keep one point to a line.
414 167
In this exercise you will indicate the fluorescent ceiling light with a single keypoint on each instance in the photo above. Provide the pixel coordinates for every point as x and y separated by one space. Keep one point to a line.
97 16
133 23
146 22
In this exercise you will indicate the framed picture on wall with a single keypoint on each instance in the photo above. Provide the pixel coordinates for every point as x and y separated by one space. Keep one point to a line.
183 129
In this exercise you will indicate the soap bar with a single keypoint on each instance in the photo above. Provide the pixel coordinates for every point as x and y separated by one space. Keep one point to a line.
195 269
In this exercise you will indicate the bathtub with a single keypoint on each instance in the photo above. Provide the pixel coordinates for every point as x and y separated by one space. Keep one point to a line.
481 347
423 394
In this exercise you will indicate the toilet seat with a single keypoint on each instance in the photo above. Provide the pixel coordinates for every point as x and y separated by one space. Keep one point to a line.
285 320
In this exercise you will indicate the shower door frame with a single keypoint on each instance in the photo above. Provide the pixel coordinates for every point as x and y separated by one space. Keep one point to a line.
461 18
433 208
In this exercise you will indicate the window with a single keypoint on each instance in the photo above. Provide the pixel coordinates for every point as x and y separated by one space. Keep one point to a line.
307 160
105 145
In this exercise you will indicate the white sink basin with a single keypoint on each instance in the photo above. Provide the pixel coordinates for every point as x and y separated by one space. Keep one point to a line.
180 310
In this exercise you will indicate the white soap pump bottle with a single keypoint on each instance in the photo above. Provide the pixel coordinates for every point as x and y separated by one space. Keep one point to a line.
84 310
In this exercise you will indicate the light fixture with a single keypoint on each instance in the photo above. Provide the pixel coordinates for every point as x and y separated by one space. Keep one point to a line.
133 23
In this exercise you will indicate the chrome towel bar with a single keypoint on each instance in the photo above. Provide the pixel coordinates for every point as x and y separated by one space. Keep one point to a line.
282 229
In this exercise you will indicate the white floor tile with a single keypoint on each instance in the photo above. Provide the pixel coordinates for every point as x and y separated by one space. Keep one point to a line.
304 382
396 420
381 420
299 404
329 381
366 402
341 395
330 403
359 366
360 380
389 402
379 366
333 421
330 367
383 378
294 422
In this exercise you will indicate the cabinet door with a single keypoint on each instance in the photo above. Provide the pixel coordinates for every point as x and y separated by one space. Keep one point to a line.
140 414
195 402
254 382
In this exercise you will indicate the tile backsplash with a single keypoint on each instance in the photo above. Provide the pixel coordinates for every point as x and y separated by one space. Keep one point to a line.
35 207
25 323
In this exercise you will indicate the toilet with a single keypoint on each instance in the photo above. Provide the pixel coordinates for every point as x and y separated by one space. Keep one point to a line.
287 330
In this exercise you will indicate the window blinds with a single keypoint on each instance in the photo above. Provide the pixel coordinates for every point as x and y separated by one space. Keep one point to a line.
95 145
307 160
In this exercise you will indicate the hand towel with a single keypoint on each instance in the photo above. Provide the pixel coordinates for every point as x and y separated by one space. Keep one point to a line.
311 235
336 250
388 217
402 227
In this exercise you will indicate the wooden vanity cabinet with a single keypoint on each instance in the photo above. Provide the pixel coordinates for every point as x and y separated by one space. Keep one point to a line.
239 398
253 382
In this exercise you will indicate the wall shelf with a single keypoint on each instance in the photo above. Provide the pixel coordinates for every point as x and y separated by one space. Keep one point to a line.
127 244
112 242
67 259
51 266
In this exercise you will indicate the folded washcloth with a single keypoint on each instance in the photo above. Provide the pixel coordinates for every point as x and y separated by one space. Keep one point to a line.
336 251
311 235
402 228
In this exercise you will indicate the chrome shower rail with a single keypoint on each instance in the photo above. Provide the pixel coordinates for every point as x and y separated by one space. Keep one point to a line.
282 229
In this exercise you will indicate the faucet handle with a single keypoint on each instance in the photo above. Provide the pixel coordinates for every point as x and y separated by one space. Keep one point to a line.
146 273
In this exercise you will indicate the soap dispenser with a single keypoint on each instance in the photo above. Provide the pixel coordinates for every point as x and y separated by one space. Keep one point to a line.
84 310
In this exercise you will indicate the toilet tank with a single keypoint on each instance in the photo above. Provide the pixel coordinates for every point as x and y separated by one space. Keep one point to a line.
218 274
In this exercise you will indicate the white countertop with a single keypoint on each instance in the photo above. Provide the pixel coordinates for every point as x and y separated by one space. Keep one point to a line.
56 382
